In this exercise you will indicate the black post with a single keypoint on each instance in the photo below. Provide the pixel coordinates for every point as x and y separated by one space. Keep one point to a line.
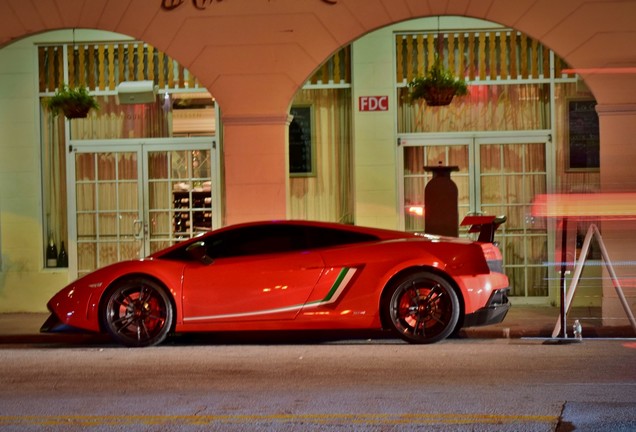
564 257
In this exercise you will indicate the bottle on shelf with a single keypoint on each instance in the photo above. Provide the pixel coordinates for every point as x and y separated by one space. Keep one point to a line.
62 258
51 253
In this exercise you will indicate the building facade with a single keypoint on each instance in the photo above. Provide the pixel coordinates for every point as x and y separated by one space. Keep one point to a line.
256 65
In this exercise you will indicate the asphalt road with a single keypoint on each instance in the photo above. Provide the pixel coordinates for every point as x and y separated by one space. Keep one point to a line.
350 385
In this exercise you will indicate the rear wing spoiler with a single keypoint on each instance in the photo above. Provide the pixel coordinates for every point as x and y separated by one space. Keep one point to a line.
484 225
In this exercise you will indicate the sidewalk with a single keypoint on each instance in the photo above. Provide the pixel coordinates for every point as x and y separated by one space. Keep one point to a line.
521 321
539 322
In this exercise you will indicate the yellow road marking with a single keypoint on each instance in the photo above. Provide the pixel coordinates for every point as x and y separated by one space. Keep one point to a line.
323 419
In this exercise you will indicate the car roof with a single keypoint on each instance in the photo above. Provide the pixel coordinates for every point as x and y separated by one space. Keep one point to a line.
380 233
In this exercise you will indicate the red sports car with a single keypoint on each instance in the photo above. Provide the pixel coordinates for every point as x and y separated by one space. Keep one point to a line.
291 275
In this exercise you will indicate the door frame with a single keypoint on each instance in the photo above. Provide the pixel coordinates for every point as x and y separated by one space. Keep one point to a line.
474 140
142 146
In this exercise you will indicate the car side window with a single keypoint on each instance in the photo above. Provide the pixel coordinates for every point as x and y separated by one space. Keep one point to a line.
256 240
319 237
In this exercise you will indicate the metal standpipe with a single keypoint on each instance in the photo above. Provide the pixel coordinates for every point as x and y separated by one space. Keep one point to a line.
441 207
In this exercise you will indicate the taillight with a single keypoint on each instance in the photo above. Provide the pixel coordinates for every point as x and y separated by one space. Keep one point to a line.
493 257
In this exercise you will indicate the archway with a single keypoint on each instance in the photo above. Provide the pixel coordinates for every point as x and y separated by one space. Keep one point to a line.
509 136
123 196
277 44
263 55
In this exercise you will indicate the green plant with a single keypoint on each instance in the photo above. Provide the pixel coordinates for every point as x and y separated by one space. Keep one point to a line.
438 86
73 102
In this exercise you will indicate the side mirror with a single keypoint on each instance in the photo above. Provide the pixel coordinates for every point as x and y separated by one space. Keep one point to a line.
198 252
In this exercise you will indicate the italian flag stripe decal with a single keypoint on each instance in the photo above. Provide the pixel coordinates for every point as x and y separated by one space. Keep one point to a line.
337 288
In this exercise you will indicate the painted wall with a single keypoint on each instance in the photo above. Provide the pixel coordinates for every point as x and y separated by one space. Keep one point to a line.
25 285
254 60
375 146
618 129
374 132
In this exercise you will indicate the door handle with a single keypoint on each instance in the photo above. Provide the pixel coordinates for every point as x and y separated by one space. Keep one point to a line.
138 229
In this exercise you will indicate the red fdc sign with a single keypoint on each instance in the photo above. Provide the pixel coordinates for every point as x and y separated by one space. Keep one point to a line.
373 103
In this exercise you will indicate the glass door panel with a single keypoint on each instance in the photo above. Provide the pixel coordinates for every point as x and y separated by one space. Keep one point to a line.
414 203
107 208
512 172
497 176
129 199
413 157
430 152
179 194
535 158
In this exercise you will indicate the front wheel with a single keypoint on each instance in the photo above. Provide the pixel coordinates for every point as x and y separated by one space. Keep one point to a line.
137 312
421 308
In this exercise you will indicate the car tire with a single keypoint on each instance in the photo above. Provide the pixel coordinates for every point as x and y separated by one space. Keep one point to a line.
137 312
421 308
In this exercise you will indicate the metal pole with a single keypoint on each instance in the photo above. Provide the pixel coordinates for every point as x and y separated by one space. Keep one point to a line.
564 242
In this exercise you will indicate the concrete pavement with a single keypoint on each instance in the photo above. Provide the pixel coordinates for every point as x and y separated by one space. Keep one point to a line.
521 321
539 321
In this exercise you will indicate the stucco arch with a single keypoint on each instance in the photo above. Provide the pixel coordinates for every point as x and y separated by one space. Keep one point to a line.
254 59
264 53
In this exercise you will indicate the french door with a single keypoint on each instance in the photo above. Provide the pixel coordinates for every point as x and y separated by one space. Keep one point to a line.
499 174
129 198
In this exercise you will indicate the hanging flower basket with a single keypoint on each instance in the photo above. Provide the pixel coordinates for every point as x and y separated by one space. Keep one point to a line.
74 103
439 96
437 87
72 111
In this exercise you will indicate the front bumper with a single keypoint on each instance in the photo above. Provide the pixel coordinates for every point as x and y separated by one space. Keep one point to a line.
54 325
494 312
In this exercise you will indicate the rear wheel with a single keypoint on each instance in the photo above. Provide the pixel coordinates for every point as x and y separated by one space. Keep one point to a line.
137 312
421 308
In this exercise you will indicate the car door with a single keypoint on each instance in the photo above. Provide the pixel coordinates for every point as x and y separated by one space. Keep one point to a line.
257 273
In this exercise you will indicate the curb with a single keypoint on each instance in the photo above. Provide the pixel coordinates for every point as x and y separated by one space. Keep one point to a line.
83 339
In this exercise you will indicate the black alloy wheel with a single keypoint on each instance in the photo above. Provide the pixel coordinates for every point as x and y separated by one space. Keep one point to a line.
137 312
421 308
